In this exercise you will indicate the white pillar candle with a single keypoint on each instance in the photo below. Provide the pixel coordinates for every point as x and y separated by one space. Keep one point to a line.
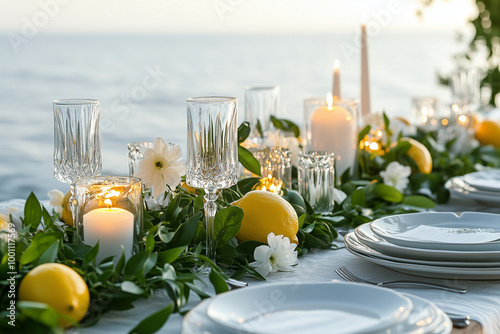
113 228
333 129
336 78
365 78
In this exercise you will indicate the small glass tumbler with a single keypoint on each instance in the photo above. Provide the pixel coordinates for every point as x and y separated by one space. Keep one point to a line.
465 84
260 103
109 211
424 113
316 176
275 166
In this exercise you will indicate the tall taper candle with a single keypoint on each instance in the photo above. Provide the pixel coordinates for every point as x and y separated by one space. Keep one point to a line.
336 78
365 78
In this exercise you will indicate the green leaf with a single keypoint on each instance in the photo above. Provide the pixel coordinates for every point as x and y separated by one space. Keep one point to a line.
419 201
227 224
186 232
50 255
243 132
47 218
168 272
358 197
135 265
286 125
132 288
248 161
154 322
150 262
247 184
170 255
32 212
91 255
39 312
218 281
39 245
388 193
248 247
363 133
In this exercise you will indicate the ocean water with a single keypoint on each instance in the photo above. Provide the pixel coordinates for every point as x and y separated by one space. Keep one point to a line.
143 81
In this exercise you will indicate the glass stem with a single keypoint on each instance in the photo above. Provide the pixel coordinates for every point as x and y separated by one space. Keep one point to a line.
210 210
72 202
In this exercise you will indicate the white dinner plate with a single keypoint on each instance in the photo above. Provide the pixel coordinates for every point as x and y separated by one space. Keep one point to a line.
457 273
425 318
313 307
459 188
354 243
367 237
469 231
486 179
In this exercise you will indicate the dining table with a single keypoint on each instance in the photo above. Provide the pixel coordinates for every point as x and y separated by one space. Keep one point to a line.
481 301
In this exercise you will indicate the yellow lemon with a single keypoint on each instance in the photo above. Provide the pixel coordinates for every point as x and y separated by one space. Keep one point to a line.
266 212
4 221
420 154
488 133
66 216
189 188
58 286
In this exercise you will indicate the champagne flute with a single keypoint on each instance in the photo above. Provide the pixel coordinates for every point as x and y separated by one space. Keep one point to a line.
212 152
77 145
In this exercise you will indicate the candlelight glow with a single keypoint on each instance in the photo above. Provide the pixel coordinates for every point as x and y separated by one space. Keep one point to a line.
336 64
108 202
444 121
270 184
329 100
463 120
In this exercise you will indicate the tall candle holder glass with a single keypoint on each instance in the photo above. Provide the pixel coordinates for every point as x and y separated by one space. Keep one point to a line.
212 152
316 178
331 125
261 102
465 84
275 167
109 211
77 144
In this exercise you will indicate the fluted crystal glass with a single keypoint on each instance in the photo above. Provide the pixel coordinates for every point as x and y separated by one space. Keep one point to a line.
77 145
212 151
261 102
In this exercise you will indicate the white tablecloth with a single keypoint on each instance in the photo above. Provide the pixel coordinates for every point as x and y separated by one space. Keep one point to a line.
481 302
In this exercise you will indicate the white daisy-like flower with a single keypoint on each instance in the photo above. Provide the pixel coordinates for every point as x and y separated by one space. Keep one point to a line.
279 255
161 167
56 200
338 195
396 175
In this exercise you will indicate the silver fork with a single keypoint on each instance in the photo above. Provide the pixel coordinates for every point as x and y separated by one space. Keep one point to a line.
349 276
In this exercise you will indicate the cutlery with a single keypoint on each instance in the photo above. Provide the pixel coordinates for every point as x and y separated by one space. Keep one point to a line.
349 276
235 284
459 321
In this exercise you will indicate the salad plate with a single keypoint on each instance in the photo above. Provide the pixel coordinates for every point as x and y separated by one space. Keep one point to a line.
488 179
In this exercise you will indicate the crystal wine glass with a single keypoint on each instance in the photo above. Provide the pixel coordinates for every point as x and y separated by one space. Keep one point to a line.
77 144
212 151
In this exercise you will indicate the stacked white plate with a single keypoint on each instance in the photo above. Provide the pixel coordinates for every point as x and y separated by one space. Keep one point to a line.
336 307
480 186
432 244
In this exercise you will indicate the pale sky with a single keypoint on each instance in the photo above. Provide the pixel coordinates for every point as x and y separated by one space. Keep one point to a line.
229 16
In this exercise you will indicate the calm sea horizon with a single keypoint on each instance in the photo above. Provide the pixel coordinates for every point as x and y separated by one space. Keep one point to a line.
143 81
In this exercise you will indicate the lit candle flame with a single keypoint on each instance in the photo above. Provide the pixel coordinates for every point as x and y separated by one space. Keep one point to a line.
463 120
271 184
329 100
108 203
336 64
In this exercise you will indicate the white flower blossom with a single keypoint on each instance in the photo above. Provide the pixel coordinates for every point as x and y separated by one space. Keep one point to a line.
396 175
56 200
7 231
366 212
338 196
161 167
156 204
279 255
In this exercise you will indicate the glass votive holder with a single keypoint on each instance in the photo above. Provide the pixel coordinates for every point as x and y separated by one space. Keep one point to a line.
331 125
316 176
424 112
260 103
275 166
109 211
